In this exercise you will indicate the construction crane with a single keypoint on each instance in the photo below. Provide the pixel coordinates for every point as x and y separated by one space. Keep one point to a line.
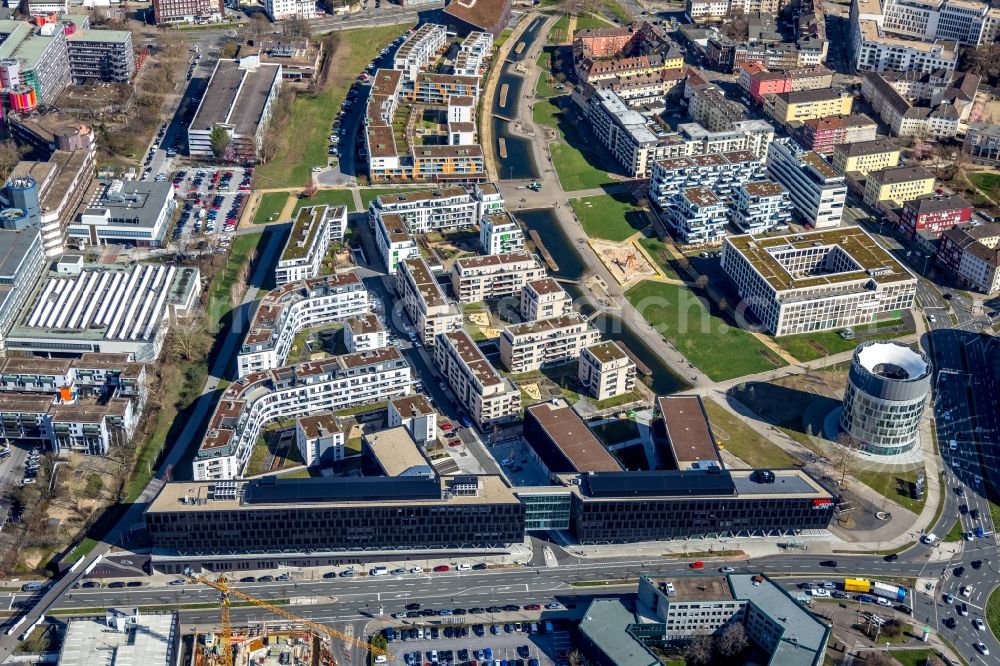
225 653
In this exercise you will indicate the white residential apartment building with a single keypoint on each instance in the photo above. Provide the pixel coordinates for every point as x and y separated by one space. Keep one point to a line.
490 398
973 255
473 53
333 384
319 439
364 333
637 141
424 302
393 240
475 279
544 298
545 342
315 227
760 206
440 209
817 280
817 190
420 50
606 371
294 307
711 10
499 233
278 10
416 414
696 216
82 405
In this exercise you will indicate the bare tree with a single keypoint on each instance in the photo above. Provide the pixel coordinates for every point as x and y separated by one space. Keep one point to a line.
699 650
296 27
879 658
732 640
9 157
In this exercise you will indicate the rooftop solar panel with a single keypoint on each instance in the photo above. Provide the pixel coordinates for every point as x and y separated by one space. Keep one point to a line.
271 490
659 483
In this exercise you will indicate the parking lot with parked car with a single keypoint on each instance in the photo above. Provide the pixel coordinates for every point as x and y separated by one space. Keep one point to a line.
511 643
212 199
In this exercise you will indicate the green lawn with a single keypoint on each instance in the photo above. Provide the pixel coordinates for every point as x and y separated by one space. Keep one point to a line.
993 612
810 346
219 295
574 171
270 207
303 143
588 21
546 86
618 400
717 349
743 441
557 34
610 216
618 11
545 112
368 194
892 485
657 249
955 533
989 183
913 657
328 197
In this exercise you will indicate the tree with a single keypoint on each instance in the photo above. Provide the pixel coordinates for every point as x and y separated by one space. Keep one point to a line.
220 141
230 49
699 650
732 640
258 25
296 27
879 658
9 157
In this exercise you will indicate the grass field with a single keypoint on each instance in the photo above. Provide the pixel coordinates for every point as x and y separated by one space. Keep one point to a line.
612 217
271 204
302 144
892 485
618 11
993 612
574 171
989 183
743 441
913 657
545 112
588 21
810 346
657 249
368 194
546 86
328 197
557 34
717 349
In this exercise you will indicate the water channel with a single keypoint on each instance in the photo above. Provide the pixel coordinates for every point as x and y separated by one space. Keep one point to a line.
572 267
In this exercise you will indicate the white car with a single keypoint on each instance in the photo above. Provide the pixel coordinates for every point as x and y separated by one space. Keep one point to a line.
830 585
929 539
979 624
982 648
953 445
727 570
317 169
966 591
820 592
416 570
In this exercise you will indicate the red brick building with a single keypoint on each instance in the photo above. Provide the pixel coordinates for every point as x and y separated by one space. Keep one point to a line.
822 134
934 214
605 42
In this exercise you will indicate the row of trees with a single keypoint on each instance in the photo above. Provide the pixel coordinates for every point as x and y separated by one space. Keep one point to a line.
729 643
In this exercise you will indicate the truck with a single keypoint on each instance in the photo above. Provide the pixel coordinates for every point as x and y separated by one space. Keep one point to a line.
891 592
857 585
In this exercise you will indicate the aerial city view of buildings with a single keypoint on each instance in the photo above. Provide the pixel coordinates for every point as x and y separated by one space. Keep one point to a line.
507 333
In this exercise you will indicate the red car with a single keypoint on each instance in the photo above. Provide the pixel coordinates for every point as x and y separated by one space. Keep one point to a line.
697 565
442 567
446 426
533 607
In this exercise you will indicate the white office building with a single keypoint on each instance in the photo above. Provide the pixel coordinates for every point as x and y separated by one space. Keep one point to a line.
606 371
292 308
414 413
760 206
319 439
817 280
441 209
393 240
336 383
279 10
816 189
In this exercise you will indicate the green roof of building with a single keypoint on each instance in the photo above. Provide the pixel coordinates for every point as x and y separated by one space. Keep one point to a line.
605 625
22 43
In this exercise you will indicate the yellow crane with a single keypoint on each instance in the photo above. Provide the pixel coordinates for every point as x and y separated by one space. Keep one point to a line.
225 636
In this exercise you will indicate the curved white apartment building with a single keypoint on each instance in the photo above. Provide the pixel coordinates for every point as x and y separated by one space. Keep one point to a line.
332 384
293 307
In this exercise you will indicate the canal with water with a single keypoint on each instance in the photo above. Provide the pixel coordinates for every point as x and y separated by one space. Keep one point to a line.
515 158
572 267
